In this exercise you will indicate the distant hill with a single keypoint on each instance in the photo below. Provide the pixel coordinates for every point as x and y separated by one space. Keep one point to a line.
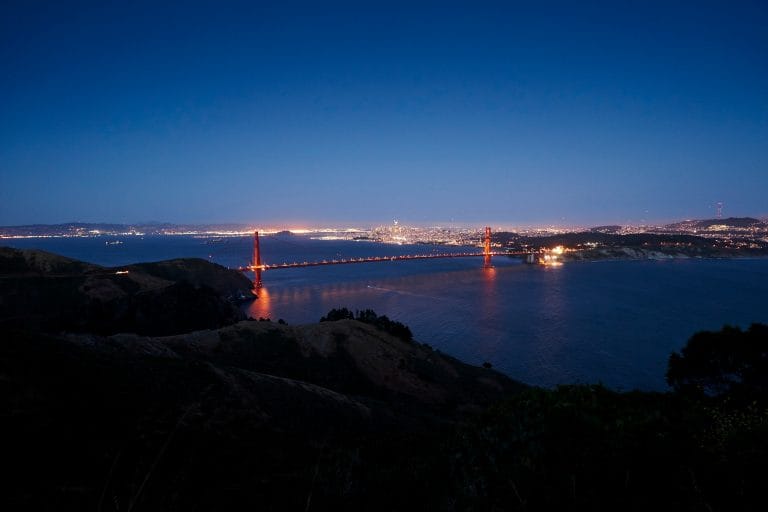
598 244
708 224
96 228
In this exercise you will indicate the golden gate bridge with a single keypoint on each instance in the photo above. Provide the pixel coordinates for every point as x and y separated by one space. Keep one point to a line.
257 267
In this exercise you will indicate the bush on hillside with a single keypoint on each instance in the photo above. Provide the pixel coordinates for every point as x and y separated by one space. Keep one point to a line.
370 317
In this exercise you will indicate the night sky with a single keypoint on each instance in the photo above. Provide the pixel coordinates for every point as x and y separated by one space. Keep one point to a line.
514 113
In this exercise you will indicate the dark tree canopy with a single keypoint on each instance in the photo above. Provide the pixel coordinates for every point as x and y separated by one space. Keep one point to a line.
370 317
338 314
730 362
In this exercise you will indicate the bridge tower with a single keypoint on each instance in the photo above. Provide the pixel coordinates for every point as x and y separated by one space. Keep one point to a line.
256 261
487 248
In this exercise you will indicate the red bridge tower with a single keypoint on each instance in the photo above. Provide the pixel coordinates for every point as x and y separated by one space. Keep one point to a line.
487 248
256 261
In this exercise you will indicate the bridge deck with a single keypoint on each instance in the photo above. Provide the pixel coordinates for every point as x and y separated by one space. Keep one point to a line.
374 259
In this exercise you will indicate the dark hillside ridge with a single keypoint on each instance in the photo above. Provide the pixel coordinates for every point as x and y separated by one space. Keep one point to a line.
198 272
347 356
45 291
23 262
220 419
246 413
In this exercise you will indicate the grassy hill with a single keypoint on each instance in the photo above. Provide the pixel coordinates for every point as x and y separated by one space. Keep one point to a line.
45 291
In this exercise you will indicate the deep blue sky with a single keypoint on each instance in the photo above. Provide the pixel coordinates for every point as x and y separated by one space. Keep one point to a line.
510 112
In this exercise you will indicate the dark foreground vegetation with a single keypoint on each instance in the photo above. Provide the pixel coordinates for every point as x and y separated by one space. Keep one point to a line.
343 415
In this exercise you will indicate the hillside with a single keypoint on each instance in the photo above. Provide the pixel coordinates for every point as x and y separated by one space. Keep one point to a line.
340 415
235 416
601 243
46 291
709 224
347 356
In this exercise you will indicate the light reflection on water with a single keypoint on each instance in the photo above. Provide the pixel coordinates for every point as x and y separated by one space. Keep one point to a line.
614 321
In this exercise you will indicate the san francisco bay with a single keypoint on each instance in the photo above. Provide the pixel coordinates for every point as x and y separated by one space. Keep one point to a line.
614 322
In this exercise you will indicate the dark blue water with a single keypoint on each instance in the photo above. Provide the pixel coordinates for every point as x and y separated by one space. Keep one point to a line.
614 321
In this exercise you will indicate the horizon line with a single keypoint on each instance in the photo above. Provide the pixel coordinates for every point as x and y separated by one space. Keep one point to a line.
294 225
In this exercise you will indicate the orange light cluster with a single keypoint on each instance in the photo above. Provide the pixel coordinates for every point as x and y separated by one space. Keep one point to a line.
550 257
